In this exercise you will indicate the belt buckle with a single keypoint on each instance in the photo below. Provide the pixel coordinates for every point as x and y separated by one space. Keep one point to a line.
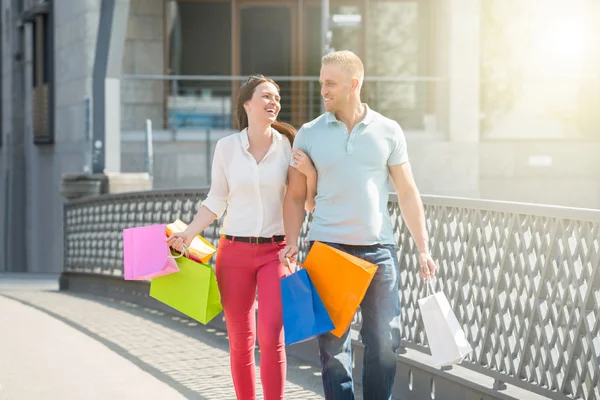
254 240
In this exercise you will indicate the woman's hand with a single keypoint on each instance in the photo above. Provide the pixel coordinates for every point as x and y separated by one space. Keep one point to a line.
303 163
179 239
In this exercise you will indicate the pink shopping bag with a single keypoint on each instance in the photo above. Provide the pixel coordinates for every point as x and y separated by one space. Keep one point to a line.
146 254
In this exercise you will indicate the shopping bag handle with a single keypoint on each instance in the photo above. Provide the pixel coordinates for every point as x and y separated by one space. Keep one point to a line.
185 251
294 261
430 287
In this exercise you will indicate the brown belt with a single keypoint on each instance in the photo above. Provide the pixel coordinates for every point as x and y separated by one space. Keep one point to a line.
254 240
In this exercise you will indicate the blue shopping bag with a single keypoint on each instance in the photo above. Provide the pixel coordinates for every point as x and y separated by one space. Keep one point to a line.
304 315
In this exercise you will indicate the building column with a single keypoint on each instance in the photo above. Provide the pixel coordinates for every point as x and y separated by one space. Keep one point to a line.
106 84
13 245
463 62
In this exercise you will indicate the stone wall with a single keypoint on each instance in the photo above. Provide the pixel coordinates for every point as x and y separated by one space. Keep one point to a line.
143 99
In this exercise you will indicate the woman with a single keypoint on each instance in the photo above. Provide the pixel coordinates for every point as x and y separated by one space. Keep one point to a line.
249 179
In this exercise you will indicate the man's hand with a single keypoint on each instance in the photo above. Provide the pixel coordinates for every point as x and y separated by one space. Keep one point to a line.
428 267
411 208
288 252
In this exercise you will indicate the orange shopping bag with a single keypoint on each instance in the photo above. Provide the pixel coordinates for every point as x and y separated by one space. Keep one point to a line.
341 280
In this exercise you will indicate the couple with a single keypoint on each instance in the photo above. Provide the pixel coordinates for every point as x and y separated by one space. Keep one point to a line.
354 151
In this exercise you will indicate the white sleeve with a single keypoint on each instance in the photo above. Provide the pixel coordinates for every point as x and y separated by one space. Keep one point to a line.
216 201
399 154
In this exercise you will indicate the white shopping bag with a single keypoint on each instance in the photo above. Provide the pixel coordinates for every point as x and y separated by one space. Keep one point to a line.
447 340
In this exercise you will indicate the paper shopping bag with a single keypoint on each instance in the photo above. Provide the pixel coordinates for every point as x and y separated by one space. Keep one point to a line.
341 280
446 338
192 291
146 254
200 249
304 315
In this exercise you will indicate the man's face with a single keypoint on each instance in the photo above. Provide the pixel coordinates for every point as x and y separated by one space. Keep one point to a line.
336 86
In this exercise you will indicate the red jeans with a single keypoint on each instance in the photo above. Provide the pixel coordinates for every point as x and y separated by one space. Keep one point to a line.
241 268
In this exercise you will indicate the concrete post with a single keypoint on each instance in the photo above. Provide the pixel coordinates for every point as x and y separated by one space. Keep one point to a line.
13 181
106 142
464 58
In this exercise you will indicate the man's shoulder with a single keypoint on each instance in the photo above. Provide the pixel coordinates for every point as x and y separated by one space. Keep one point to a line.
385 122
317 123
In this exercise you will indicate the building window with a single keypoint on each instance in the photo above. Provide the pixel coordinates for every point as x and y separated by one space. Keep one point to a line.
400 62
199 43
42 78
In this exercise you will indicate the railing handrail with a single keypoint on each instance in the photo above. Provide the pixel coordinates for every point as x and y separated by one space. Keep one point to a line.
540 210
534 209
160 77
311 78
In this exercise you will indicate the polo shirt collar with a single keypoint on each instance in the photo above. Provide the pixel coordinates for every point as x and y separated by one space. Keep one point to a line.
369 116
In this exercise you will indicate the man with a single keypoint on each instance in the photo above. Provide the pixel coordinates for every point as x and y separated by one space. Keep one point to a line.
356 151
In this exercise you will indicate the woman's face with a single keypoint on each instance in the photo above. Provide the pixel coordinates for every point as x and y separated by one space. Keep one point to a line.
264 105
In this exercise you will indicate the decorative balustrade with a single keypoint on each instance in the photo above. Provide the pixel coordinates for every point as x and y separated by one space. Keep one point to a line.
523 279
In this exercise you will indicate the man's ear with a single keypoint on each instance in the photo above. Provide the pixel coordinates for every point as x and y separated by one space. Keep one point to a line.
355 83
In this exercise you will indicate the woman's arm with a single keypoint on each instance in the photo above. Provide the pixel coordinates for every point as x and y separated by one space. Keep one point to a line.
212 208
304 164
204 217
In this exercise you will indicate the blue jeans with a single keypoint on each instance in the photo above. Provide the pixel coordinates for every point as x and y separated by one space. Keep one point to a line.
380 332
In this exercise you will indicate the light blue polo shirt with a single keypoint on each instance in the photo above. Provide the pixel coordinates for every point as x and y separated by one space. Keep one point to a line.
353 177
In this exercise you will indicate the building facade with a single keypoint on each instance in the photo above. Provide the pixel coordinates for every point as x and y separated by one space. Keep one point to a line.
81 78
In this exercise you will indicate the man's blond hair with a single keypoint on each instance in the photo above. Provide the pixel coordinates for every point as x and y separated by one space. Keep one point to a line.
349 61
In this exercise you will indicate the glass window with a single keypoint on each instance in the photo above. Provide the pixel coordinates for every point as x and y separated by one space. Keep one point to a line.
34 65
199 37
41 79
398 54
46 49
345 29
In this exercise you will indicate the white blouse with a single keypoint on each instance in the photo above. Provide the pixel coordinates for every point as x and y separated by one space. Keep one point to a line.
251 192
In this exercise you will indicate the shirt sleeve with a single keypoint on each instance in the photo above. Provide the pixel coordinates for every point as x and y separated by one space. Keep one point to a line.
216 201
300 143
399 153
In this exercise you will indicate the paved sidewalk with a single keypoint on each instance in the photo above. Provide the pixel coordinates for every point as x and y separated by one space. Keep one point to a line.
66 346
42 358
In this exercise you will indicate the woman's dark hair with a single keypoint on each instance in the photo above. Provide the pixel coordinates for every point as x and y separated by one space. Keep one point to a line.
245 94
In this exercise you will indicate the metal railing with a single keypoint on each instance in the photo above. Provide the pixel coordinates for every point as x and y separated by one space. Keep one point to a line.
198 102
524 280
